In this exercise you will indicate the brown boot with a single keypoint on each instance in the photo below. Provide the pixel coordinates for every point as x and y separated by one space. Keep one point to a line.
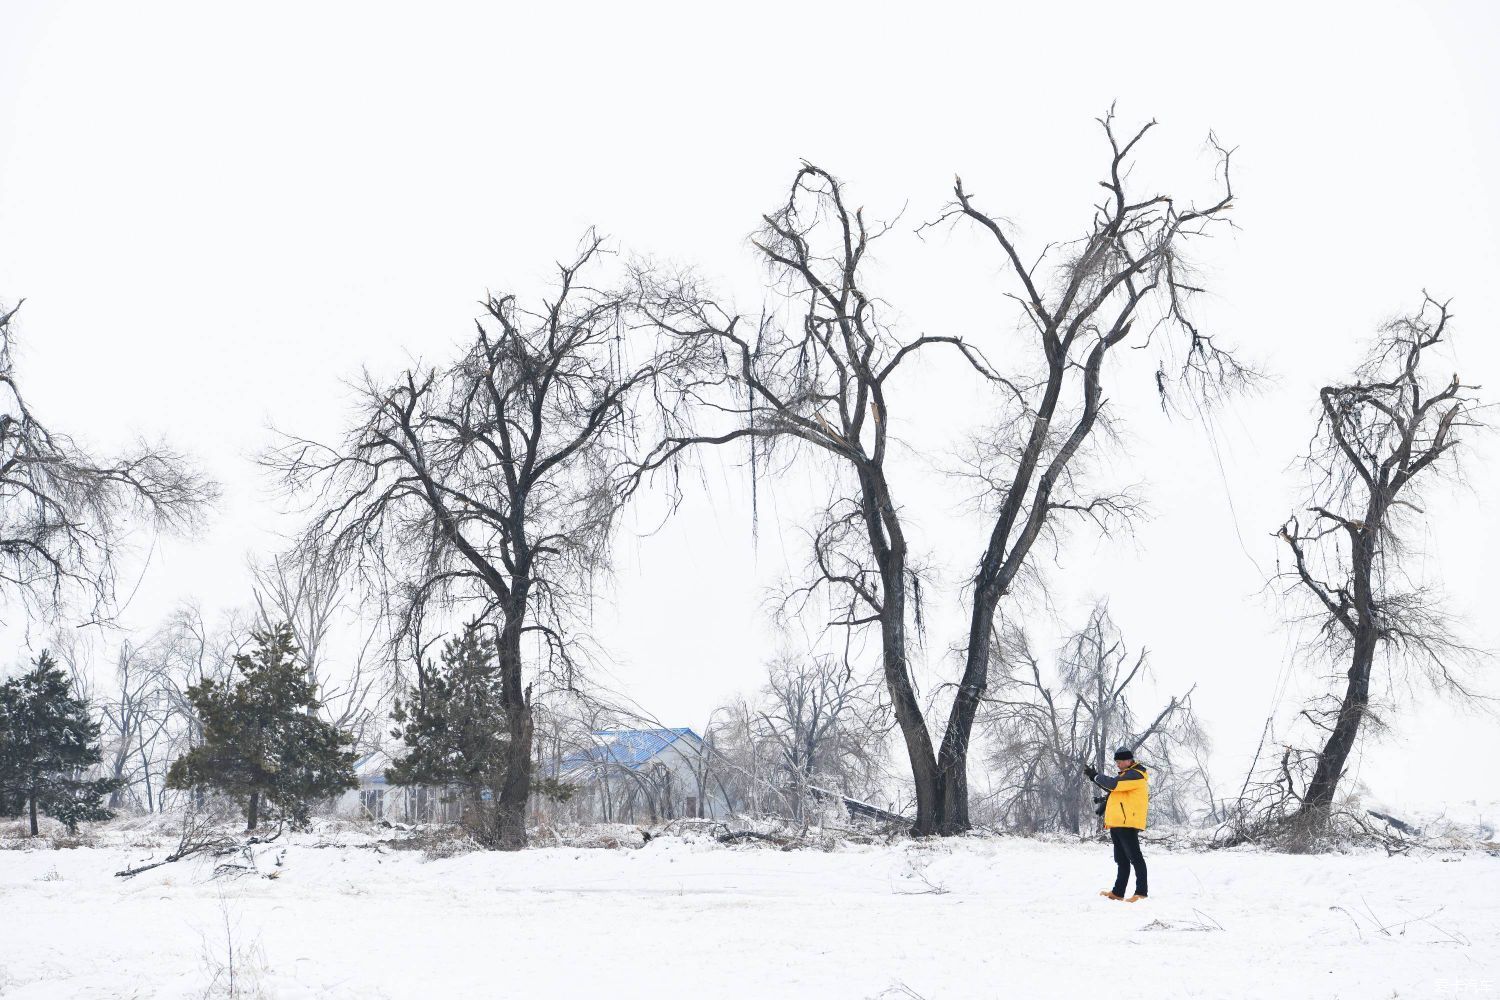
1135 899
1110 895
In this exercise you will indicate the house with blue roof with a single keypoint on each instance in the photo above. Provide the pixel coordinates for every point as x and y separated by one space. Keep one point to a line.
644 776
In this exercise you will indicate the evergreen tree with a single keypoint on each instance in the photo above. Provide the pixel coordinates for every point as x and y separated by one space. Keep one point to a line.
263 743
452 723
47 745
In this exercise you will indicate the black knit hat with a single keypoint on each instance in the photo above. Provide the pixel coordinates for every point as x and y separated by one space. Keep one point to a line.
1124 753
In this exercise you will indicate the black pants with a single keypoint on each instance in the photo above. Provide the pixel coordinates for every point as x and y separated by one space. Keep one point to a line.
1128 855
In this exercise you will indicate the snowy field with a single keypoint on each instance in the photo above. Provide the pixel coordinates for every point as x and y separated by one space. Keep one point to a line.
981 918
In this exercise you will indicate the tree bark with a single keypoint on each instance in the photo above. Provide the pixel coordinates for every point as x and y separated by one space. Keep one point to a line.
888 544
33 812
117 797
252 814
1317 801
953 759
515 787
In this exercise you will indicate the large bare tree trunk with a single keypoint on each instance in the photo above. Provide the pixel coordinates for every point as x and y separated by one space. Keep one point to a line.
924 769
515 786
888 544
515 790
117 797
1317 801
953 760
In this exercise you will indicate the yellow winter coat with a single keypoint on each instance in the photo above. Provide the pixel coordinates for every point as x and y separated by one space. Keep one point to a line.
1129 796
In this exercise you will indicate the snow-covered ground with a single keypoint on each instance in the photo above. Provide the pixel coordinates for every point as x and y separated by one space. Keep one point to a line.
680 917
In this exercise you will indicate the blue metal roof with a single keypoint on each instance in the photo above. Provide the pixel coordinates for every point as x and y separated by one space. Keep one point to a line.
370 769
627 747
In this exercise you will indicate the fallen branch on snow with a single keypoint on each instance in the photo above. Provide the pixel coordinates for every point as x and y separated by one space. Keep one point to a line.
200 839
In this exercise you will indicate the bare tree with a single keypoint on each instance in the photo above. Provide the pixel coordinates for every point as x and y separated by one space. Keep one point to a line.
131 727
304 590
147 719
815 733
824 384
575 750
827 383
490 483
1380 440
1130 268
63 512
739 763
821 722
1044 728
564 721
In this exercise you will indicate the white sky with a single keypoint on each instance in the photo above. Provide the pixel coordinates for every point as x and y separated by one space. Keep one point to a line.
217 212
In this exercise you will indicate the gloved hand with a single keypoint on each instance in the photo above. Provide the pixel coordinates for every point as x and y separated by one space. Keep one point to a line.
1091 771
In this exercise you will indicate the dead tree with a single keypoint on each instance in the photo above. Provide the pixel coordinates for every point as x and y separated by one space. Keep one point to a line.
823 383
816 727
305 591
819 720
488 485
132 726
1380 440
739 764
1045 724
188 650
147 720
827 382
1130 268
63 512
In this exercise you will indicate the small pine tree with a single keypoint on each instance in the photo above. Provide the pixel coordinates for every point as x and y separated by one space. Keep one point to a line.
453 726
263 743
47 745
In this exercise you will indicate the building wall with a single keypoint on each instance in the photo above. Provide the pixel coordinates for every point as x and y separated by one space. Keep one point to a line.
376 800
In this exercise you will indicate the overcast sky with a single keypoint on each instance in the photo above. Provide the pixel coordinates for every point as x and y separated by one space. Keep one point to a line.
219 212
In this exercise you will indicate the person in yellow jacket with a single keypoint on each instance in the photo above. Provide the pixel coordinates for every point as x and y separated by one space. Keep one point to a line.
1124 815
